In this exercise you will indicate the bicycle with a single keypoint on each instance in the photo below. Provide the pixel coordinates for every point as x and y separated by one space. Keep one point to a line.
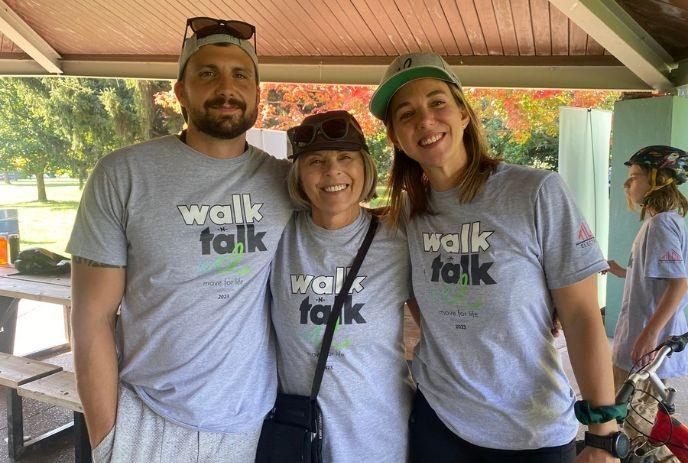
666 430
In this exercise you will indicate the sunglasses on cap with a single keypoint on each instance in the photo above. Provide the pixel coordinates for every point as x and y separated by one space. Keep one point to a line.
204 26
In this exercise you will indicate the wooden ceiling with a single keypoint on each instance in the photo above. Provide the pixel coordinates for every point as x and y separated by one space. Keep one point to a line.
665 20
311 28
521 42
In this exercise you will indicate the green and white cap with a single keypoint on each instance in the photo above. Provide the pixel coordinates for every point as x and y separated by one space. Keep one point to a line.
404 69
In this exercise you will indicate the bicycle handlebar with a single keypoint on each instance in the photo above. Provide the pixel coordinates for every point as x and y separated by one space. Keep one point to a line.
625 393
676 343
666 348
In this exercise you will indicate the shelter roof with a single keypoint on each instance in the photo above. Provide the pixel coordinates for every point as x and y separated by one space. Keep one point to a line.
623 44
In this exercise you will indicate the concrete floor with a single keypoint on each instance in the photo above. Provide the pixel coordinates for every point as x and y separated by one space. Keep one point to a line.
40 325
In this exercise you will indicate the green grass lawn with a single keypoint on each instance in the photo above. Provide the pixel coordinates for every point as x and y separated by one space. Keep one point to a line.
43 224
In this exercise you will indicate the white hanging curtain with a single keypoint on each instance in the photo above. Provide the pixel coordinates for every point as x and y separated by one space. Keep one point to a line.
584 137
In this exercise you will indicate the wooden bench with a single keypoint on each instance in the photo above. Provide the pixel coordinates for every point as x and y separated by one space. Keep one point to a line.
45 383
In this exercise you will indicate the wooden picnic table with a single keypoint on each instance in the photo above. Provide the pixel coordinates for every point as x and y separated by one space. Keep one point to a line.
14 286
56 290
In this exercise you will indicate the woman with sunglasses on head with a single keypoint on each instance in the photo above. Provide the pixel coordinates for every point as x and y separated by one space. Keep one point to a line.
494 247
365 395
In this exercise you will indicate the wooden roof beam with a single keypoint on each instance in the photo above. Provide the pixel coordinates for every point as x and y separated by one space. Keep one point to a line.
602 72
614 29
16 29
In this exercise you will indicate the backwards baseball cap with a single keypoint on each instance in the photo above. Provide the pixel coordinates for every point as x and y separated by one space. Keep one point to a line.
404 69
208 31
331 130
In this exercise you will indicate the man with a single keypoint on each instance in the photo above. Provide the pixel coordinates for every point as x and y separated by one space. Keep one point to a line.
181 231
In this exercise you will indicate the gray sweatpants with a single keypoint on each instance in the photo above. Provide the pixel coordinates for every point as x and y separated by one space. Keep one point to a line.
142 436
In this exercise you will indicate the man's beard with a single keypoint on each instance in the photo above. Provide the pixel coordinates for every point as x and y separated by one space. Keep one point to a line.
224 127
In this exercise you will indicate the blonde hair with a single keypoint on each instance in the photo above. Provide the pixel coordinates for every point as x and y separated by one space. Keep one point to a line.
299 197
407 174
666 198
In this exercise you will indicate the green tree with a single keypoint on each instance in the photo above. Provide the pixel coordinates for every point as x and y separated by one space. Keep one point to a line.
6 165
56 124
522 126
85 122
101 115
155 116
30 130
382 152
123 107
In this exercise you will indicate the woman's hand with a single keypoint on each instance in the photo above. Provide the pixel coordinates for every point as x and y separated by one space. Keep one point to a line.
646 342
668 304
594 455
615 269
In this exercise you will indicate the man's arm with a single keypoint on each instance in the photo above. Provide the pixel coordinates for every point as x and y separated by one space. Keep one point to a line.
589 352
97 290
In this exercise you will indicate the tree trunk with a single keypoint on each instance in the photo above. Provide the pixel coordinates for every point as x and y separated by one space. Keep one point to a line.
147 108
7 177
82 177
40 185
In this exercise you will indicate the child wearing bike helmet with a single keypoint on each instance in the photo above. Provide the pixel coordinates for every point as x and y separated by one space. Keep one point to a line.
657 277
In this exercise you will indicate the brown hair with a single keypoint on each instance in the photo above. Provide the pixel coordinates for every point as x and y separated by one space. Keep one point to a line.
667 198
299 197
407 174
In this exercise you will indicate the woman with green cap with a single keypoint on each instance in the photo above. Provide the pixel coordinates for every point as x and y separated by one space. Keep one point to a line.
494 248
366 393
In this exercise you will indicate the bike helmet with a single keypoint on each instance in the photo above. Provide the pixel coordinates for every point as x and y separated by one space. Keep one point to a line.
657 157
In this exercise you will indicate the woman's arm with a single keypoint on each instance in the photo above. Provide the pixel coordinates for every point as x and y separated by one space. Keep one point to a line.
667 307
589 352
615 269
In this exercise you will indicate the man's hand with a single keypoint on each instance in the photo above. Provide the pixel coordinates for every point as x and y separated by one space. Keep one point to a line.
595 455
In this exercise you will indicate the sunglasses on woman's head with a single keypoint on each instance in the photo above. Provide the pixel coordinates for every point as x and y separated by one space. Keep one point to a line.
331 129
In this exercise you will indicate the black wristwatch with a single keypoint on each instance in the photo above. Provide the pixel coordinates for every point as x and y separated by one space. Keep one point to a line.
618 443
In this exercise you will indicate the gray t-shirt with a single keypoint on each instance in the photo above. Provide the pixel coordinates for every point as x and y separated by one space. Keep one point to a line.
197 235
658 253
366 392
482 272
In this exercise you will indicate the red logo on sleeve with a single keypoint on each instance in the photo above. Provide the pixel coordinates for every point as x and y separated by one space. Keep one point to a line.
584 232
585 236
671 256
